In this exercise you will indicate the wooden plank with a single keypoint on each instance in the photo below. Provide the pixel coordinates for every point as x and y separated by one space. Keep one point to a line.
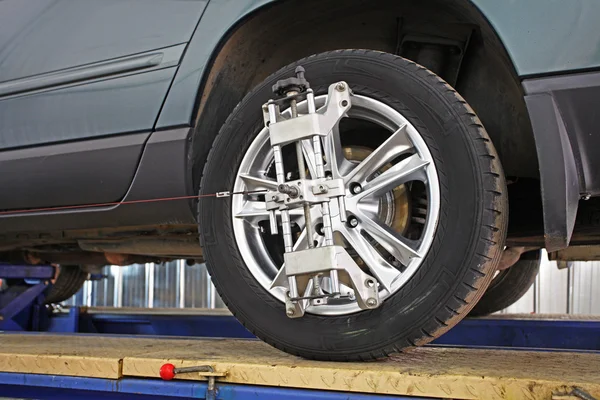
72 355
433 372
429 371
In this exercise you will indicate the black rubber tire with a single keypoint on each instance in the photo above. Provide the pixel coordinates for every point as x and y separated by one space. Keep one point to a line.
509 285
68 282
469 237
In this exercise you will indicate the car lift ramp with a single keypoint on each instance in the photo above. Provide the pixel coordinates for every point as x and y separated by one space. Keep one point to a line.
431 372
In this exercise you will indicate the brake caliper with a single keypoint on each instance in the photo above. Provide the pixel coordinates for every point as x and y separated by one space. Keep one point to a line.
329 260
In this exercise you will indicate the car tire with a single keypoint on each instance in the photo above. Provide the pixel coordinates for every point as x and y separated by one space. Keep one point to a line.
468 240
68 282
509 285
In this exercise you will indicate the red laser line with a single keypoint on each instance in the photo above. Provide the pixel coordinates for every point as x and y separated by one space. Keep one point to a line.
118 203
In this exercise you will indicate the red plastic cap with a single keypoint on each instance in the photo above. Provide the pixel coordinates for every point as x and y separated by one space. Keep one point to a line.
167 372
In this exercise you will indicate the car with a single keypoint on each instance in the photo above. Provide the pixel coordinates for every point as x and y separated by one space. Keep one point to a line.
354 173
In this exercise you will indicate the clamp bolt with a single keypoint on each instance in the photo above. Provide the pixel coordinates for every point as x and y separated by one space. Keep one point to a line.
352 221
290 312
371 302
340 87
356 188
291 191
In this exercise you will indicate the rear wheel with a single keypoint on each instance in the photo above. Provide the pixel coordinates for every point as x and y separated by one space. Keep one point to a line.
68 282
423 184
509 285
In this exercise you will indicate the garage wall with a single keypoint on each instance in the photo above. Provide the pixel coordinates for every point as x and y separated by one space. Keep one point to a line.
173 284
575 290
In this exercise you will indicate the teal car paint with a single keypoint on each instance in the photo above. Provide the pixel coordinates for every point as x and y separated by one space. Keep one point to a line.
530 40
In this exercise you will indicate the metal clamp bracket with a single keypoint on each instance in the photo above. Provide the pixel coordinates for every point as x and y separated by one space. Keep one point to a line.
312 191
327 258
284 131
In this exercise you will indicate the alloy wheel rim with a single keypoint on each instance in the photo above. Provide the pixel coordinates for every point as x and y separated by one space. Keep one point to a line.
402 159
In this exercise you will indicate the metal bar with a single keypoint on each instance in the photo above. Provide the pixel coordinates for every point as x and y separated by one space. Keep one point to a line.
19 303
310 234
118 289
54 386
181 274
279 170
150 285
286 226
87 293
213 295
8 271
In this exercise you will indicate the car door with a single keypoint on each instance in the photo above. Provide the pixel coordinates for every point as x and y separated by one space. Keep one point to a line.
81 85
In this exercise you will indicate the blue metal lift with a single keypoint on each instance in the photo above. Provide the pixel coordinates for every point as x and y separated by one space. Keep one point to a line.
506 331
22 303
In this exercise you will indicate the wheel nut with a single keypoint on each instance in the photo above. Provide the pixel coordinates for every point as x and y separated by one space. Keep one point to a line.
319 229
356 188
352 222
371 302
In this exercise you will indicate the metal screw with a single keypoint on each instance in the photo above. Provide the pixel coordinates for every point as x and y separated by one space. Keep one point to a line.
352 222
322 189
319 229
290 312
340 87
292 191
356 188
369 283
344 103
371 302
273 197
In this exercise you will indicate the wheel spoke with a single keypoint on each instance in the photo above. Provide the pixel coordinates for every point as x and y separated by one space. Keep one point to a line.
252 210
394 146
409 169
309 157
256 183
336 163
255 211
395 244
383 271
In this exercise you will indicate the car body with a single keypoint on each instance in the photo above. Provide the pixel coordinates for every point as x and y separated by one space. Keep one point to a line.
109 109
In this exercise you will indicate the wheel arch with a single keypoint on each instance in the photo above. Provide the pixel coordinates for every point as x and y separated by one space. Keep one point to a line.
274 34
268 35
